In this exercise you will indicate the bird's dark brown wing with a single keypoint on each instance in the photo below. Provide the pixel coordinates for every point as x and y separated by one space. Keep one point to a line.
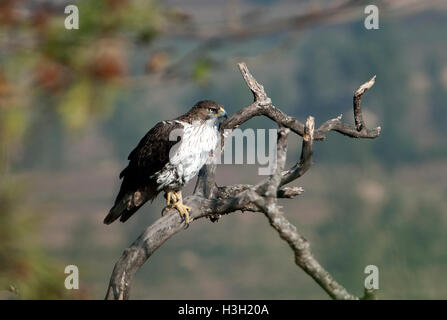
150 156
152 152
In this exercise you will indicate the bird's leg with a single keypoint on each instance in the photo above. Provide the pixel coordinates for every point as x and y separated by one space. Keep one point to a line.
181 208
174 200
171 198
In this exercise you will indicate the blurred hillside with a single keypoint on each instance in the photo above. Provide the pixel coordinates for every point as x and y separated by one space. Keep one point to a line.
73 104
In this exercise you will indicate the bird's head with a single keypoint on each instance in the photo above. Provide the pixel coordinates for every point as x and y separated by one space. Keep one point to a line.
209 110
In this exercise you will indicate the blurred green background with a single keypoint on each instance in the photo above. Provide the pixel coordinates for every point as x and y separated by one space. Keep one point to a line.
74 103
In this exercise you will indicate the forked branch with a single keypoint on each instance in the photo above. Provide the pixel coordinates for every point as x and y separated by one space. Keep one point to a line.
212 201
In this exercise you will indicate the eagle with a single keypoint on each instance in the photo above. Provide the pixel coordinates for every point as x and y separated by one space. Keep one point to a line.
166 158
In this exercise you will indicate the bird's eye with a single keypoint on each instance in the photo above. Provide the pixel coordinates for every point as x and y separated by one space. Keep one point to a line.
211 110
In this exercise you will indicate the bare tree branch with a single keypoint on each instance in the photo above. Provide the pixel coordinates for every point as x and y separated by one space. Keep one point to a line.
358 117
288 232
263 106
212 201
306 155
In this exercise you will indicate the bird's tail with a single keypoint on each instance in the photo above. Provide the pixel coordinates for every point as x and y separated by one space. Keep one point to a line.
120 208
126 205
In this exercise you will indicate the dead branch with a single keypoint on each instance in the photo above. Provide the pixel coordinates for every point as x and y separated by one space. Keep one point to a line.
212 201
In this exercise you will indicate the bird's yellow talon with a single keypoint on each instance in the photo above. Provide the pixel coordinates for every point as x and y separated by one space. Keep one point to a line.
183 211
174 201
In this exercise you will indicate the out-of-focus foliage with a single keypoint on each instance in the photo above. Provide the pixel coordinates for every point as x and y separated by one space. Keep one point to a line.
25 271
78 71
70 77
201 70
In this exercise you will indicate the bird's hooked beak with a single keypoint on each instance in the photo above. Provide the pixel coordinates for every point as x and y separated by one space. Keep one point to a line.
222 114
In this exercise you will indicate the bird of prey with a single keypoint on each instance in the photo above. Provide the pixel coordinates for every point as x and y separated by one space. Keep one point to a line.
167 157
